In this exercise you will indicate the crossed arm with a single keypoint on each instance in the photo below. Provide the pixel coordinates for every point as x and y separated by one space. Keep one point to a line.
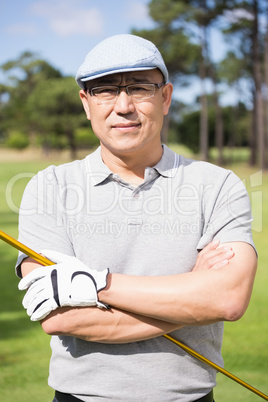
218 288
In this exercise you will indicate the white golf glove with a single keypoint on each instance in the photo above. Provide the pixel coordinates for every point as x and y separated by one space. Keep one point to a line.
67 283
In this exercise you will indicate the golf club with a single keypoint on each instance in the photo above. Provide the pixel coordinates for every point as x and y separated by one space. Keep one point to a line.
44 261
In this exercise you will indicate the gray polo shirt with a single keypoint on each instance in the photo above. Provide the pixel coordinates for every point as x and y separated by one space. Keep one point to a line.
157 228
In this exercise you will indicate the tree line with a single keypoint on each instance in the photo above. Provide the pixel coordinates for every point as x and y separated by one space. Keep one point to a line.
42 106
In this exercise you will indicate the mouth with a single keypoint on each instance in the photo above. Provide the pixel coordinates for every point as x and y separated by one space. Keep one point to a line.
126 127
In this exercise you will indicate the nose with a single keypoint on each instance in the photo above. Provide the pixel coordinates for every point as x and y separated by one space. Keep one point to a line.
124 103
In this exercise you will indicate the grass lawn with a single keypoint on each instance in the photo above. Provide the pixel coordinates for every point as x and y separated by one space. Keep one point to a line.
24 348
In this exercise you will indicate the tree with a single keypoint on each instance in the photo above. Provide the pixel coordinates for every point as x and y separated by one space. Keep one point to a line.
41 104
179 53
183 30
187 127
244 29
24 74
234 71
259 104
56 112
266 87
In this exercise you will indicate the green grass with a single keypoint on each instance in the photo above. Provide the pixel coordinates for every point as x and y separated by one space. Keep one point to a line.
245 346
24 348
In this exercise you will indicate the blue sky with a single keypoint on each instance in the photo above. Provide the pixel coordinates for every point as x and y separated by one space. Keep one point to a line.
63 31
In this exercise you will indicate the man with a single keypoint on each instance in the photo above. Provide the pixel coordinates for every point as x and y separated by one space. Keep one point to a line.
145 243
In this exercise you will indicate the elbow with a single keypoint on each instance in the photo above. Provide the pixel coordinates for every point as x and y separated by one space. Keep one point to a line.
234 314
235 308
238 285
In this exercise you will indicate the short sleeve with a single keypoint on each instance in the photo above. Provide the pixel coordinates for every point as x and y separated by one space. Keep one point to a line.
41 224
227 213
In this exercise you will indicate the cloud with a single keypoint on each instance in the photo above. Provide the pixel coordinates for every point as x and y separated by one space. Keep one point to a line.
21 29
137 11
69 17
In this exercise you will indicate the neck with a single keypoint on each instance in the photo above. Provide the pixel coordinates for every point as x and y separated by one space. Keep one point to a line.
131 167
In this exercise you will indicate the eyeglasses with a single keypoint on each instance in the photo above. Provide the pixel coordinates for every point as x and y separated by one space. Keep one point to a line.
137 92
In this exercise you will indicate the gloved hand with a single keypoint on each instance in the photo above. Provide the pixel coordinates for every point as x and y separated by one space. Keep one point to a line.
67 283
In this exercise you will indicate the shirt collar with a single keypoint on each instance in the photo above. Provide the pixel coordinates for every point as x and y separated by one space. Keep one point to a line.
168 164
99 172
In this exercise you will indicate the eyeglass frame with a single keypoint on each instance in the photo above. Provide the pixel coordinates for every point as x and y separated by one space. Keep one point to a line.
119 87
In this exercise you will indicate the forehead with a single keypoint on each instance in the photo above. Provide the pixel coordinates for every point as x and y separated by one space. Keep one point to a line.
129 77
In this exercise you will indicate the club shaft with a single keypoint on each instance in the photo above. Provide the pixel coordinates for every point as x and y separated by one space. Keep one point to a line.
26 250
216 367
45 261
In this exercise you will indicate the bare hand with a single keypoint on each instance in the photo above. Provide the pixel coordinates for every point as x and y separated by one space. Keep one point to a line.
213 256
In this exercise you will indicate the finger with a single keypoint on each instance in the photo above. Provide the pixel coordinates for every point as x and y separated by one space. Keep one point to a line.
32 299
33 276
210 258
219 258
43 310
220 252
33 303
220 264
216 252
210 246
35 289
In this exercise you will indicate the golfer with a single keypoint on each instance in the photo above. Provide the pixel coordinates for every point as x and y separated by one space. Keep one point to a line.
145 242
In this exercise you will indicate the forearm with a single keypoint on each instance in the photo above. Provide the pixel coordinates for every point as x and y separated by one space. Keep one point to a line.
180 298
104 326
194 298
99 325
212 292
28 265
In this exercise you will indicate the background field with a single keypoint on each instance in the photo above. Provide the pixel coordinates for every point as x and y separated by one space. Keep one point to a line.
24 348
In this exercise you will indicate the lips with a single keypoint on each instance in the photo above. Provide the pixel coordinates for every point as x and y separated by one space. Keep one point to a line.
126 126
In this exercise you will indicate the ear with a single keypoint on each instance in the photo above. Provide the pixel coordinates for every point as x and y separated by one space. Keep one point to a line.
84 99
167 95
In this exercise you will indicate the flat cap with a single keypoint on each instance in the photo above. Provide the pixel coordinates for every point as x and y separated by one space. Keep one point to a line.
120 53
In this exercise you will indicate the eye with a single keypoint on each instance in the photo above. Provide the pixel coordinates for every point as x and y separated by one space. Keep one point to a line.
140 88
141 91
104 91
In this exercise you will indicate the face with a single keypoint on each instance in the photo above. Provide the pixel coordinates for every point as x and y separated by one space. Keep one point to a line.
125 126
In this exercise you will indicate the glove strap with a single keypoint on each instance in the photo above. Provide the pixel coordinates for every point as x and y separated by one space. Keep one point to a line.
54 281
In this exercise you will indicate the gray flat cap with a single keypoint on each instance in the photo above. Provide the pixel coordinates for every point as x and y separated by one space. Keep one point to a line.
120 53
